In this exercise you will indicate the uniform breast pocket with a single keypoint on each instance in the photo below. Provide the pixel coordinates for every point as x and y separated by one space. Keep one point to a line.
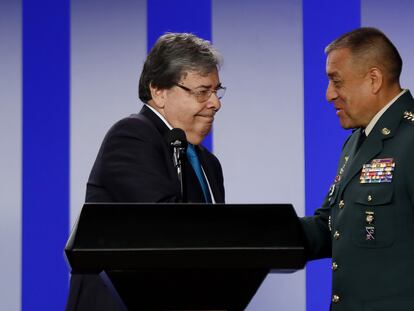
375 216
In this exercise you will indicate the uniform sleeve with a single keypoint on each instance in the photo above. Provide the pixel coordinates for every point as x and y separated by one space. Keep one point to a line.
317 233
316 227
408 161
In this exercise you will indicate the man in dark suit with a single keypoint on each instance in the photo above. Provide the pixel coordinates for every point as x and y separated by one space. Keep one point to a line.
181 88
366 223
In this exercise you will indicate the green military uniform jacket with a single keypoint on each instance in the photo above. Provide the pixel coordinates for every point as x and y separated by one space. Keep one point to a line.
366 223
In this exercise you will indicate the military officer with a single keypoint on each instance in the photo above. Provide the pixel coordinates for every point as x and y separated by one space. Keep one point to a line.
366 222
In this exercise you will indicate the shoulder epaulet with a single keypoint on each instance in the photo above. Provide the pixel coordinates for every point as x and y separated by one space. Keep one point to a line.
409 116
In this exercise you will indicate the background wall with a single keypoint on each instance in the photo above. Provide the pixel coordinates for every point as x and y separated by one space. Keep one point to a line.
108 46
262 114
65 82
11 151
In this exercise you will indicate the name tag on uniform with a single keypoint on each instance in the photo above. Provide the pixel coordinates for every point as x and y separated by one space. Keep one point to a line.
378 171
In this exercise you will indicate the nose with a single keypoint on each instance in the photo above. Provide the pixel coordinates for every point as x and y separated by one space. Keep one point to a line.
331 93
214 102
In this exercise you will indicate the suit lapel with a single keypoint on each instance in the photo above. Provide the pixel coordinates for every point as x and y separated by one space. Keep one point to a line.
192 182
155 120
209 169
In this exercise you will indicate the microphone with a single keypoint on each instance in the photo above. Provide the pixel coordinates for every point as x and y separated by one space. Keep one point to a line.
178 143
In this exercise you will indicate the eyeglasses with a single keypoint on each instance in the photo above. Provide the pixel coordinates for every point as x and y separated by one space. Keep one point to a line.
203 95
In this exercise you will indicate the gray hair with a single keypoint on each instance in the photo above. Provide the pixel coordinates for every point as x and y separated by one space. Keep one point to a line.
172 56
371 47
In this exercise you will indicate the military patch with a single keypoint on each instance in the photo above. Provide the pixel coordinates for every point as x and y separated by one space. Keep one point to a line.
378 171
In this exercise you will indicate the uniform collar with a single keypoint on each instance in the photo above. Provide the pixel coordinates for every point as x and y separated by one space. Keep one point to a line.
375 119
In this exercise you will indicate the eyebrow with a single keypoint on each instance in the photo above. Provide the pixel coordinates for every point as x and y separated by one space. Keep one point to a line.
333 75
208 86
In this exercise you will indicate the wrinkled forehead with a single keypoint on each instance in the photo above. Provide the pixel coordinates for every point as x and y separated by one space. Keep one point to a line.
342 60
198 71
197 75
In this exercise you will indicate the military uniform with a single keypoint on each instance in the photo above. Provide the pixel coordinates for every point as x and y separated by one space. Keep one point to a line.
366 223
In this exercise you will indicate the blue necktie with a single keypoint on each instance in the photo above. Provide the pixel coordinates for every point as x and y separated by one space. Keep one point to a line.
195 163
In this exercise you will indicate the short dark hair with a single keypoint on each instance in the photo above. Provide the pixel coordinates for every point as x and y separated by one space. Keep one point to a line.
372 47
171 57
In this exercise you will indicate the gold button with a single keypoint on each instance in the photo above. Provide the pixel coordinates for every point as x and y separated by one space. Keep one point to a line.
334 266
335 298
341 204
369 198
336 235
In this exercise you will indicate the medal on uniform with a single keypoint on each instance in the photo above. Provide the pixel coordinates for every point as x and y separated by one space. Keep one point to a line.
369 217
378 171
337 178
369 229
370 233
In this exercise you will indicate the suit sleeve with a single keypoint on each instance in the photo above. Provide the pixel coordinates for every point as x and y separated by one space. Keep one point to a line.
135 165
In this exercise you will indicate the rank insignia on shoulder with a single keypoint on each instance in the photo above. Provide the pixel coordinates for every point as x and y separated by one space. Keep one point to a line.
378 171
409 115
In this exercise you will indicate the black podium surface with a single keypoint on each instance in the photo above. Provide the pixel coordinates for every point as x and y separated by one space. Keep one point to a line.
185 256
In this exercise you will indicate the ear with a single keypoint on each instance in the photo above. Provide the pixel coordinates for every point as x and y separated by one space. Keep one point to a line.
158 96
377 79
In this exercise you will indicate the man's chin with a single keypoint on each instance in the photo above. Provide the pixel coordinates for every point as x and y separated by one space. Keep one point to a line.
345 124
197 139
347 127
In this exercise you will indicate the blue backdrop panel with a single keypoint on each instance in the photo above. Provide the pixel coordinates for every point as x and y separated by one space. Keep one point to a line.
45 153
323 135
180 16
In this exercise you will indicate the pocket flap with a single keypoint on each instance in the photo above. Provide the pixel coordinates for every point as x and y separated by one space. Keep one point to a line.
376 194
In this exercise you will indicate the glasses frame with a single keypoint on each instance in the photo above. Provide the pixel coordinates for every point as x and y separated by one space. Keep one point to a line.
198 94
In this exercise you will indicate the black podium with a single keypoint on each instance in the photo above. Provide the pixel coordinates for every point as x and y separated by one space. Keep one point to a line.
185 256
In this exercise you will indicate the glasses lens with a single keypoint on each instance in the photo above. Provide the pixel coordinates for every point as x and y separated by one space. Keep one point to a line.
220 92
202 96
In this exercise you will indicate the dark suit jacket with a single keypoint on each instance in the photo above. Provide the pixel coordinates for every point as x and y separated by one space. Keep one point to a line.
135 164
371 272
